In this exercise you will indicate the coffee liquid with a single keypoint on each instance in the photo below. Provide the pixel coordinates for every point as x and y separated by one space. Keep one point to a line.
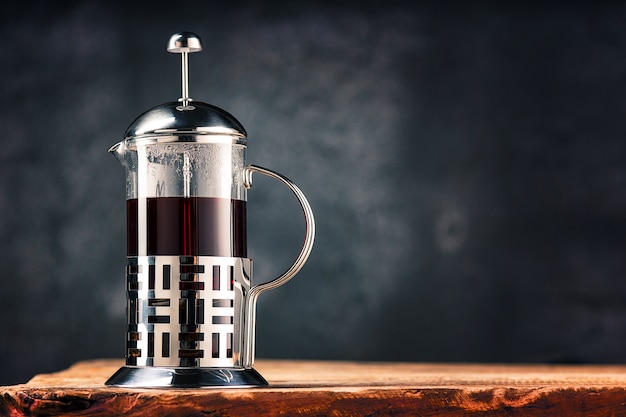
189 226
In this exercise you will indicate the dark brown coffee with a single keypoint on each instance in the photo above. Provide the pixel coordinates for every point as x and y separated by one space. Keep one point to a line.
190 226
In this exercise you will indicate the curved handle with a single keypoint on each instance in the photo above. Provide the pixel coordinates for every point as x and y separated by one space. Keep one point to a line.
308 238
253 295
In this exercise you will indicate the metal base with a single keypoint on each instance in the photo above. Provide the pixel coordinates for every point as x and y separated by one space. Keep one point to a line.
155 377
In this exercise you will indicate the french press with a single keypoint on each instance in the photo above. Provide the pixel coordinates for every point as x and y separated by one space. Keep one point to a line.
191 302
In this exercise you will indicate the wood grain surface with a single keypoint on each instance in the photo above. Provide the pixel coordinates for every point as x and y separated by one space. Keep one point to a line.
326 388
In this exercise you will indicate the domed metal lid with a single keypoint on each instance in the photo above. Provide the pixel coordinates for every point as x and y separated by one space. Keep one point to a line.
185 120
172 122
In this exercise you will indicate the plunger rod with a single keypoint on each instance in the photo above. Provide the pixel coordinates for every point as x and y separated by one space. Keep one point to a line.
185 78
183 43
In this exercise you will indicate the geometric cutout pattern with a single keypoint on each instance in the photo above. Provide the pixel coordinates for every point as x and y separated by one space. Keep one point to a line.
186 311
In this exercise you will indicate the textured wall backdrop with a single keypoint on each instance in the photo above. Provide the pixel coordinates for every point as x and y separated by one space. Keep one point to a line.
466 164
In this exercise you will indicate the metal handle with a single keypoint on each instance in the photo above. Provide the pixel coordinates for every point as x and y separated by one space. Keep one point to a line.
291 271
308 238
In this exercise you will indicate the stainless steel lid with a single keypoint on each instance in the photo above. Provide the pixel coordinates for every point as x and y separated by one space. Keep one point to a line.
185 120
196 122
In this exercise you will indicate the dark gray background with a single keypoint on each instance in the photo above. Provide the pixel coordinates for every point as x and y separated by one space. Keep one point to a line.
466 164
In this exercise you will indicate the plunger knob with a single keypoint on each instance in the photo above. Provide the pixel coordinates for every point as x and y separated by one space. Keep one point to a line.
184 43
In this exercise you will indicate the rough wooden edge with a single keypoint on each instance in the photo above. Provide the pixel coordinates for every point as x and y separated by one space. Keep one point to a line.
462 391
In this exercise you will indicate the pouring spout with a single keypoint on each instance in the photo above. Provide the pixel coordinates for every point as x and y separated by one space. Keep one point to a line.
118 151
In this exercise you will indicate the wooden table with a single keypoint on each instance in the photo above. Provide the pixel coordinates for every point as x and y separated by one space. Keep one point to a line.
337 389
